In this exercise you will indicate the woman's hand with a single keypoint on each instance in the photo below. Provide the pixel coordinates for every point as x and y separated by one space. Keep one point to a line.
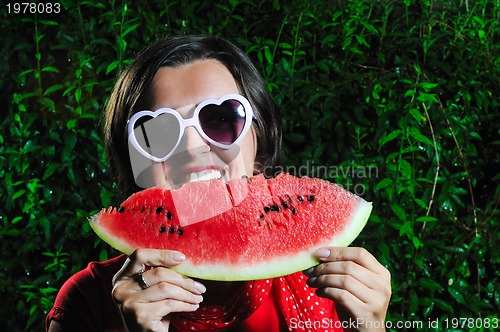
358 284
147 309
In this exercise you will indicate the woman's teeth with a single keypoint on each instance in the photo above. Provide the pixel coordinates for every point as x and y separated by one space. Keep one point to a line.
207 174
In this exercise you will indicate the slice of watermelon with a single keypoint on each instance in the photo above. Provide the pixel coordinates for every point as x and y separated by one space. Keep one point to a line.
247 229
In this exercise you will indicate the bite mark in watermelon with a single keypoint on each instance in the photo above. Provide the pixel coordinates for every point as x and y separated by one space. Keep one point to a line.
249 229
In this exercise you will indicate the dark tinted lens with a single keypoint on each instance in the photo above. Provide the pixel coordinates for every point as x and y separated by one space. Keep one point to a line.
157 136
223 123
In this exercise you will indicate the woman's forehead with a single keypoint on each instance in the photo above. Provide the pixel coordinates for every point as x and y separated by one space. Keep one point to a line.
188 85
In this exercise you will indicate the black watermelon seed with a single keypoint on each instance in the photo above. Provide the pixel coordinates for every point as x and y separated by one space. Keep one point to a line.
159 209
143 209
275 208
262 215
180 231
310 198
121 209
163 229
300 198
267 209
171 230
293 210
284 205
169 215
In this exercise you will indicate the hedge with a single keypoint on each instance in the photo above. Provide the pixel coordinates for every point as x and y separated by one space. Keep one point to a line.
398 101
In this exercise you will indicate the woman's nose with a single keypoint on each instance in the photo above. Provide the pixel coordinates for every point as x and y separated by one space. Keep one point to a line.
192 143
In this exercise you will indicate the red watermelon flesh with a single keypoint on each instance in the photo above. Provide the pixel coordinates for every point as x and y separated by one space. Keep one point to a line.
246 229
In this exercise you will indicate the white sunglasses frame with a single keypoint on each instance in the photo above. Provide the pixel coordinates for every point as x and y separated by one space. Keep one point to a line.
193 122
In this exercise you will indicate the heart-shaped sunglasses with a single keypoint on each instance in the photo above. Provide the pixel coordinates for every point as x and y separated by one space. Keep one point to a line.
221 122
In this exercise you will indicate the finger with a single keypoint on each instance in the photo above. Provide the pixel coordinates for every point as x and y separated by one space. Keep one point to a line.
164 291
148 316
165 307
164 283
164 275
354 306
348 268
131 296
355 254
343 282
141 258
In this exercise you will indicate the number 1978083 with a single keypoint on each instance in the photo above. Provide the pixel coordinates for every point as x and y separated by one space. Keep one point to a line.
34 8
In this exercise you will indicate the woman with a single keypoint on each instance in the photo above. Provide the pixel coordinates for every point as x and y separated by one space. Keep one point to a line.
183 75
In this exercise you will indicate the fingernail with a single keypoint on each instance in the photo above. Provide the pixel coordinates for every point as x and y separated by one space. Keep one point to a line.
323 253
311 280
198 298
202 289
309 271
177 256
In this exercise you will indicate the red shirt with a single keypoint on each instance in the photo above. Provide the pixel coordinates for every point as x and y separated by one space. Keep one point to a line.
84 303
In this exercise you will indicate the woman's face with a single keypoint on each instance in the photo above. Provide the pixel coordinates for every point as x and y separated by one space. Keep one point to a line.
182 89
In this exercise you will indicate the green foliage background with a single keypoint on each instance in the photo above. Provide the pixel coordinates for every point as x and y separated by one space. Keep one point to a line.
395 100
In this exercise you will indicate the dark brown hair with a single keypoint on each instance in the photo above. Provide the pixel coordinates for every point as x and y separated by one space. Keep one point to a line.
130 95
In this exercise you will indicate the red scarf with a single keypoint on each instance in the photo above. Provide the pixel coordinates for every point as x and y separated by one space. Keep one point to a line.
296 303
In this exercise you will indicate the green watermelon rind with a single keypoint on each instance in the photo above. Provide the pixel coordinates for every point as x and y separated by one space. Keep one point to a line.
280 266
114 242
263 270
272 268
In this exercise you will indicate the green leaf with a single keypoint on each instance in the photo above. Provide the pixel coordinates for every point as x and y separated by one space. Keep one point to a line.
416 134
409 93
78 95
24 73
370 27
430 284
70 142
427 97
268 55
50 170
427 86
285 45
457 295
413 301
387 138
426 219
52 89
38 39
323 66
18 194
405 168
129 30
398 211
417 243
416 114
49 22
112 66
444 305
346 43
384 183
50 69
